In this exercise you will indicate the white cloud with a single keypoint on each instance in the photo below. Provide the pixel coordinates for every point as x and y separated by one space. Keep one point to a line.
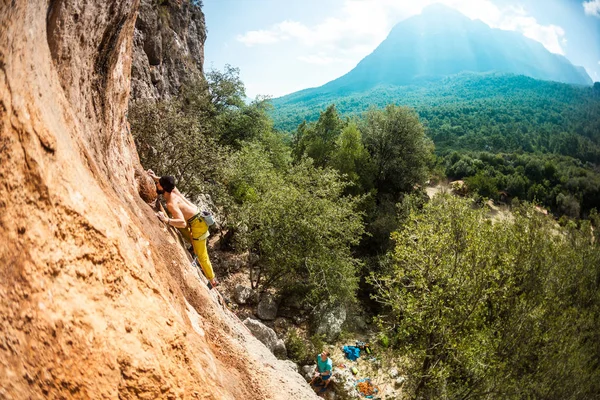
320 59
362 25
592 7
252 38
359 23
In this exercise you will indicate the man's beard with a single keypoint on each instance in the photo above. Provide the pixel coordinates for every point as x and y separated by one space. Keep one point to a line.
160 191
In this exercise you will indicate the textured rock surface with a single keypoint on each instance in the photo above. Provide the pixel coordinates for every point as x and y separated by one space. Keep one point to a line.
168 47
328 321
308 371
345 384
267 308
146 187
241 294
98 300
267 336
289 365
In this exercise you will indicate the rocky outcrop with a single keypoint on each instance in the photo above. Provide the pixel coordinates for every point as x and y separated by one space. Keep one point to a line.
145 186
241 294
345 384
267 308
98 299
308 371
168 47
327 320
267 336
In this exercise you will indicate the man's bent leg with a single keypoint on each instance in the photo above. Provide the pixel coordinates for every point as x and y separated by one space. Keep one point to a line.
199 235
185 232
202 253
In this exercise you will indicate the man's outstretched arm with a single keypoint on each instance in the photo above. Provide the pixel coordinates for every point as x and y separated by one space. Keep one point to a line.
153 175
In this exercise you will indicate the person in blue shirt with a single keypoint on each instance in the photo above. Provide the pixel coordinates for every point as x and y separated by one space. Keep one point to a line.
323 369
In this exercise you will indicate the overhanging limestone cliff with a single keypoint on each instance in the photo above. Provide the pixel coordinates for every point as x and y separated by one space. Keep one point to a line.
98 300
168 47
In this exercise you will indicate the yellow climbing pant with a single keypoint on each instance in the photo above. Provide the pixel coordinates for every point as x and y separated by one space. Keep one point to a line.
197 233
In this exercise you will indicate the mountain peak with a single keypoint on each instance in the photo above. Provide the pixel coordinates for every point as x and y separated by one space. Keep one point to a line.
438 9
441 42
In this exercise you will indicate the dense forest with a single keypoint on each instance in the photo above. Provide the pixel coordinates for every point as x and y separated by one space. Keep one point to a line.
335 213
483 112
507 136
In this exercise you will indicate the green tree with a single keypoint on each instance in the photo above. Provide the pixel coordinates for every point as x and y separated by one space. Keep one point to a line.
173 142
236 125
298 144
436 294
318 140
299 224
219 105
399 149
351 158
483 184
226 89
493 310
568 205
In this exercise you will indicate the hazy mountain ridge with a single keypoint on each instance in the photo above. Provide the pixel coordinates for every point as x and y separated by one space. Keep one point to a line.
464 88
442 42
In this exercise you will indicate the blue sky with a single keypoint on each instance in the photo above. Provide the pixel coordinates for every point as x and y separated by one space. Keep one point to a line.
281 46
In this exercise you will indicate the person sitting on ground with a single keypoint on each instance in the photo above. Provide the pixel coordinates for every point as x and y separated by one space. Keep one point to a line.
186 218
323 369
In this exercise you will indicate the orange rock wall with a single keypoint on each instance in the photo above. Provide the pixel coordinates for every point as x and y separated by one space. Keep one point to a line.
98 299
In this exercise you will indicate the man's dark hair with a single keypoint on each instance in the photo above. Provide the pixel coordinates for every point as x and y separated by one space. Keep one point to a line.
167 183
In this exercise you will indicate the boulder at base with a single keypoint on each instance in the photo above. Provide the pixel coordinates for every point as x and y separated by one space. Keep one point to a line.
345 383
267 308
308 371
328 321
241 294
267 336
289 365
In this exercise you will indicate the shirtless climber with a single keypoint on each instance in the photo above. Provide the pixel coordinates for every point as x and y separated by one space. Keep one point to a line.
186 218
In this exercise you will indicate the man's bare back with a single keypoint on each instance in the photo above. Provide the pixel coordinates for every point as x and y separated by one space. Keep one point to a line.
180 208
177 202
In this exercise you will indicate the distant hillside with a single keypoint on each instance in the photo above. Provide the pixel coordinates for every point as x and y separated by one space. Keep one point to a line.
424 49
494 112
441 42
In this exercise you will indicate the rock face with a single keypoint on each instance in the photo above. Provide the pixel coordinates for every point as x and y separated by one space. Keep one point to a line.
168 47
290 365
308 371
146 187
345 384
241 294
98 299
267 336
328 321
267 308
